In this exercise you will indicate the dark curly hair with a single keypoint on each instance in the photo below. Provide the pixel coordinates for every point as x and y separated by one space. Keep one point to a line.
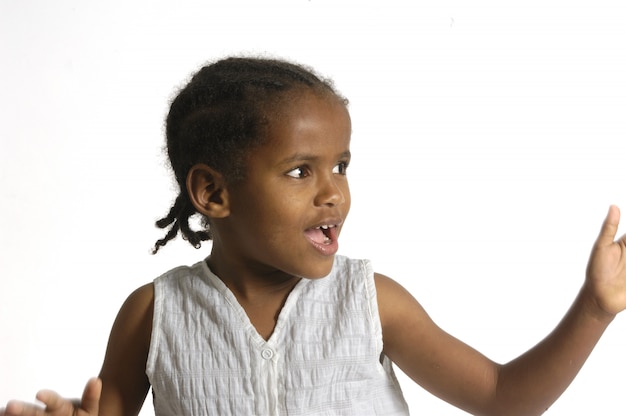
218 117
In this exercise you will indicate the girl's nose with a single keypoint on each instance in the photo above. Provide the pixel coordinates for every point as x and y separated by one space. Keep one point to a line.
330 192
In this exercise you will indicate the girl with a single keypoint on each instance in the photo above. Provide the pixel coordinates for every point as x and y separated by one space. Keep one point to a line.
273 321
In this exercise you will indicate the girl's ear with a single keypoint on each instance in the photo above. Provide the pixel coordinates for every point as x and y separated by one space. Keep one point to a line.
207 191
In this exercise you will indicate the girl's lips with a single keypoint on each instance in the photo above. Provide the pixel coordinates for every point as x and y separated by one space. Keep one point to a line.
324 239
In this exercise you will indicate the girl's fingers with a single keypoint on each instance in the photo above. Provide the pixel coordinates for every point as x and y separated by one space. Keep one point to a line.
57 405
16 408
54 403
609 227
90 401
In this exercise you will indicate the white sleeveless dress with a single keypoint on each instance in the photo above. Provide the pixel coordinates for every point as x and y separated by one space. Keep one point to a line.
323 358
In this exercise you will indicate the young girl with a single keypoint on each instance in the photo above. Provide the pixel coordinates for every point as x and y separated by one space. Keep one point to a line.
273 321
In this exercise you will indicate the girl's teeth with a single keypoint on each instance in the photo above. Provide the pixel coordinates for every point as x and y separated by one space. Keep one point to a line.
325 227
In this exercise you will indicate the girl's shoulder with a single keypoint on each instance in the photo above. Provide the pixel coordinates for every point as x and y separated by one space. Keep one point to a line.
134 320
142 299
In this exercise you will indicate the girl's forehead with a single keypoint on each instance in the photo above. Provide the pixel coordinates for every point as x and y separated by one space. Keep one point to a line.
310 121
300 99
313 113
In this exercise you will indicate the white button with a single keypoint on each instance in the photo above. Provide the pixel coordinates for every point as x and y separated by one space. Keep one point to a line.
267 354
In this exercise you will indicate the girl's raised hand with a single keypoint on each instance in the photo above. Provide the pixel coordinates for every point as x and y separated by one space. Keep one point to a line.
606 270
58 406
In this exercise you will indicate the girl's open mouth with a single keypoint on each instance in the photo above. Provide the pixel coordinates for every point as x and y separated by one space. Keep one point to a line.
323 238
324 234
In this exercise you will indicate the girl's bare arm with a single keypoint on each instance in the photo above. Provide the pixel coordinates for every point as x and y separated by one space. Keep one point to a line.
529 384
124 380
123 384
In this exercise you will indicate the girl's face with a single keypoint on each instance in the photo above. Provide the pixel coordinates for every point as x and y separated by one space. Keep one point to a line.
287 214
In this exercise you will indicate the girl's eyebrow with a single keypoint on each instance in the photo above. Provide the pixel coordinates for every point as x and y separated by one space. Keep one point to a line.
345 155
306 157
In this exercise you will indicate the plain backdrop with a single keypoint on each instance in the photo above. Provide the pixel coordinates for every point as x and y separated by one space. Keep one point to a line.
488 142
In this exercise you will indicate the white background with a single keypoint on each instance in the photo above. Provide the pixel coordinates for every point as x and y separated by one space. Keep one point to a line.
489 141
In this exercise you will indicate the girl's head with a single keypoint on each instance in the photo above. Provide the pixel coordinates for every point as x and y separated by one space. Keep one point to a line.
220 116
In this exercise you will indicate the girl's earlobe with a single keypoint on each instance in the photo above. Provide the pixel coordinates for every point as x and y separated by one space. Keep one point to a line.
207 191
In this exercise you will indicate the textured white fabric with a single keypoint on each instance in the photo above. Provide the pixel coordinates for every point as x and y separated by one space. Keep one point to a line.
323 358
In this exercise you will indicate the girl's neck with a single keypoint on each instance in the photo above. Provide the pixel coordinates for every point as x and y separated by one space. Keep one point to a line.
251 284
262 295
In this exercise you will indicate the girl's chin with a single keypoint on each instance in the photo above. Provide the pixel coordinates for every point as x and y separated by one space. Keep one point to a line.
321 271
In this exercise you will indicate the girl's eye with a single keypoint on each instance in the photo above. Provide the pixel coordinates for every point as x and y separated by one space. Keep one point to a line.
341 168
298 173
